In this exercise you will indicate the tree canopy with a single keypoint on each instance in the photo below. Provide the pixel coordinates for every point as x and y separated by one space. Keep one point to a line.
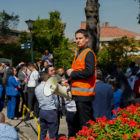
49 34
118 51
7 22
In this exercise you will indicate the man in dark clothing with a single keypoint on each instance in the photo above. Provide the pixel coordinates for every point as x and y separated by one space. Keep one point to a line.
83 78
22 75
6 66
102 103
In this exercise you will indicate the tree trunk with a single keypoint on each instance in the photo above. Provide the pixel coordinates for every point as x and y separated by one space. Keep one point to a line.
92 24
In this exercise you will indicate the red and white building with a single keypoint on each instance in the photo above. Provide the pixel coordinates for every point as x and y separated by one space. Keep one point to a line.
109 33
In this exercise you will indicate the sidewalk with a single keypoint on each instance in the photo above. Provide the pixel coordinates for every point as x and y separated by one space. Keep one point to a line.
27 133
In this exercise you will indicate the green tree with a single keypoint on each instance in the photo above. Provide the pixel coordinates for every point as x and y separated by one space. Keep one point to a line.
40 35
49 34
117 51
7 22
15 53
24 38
63 55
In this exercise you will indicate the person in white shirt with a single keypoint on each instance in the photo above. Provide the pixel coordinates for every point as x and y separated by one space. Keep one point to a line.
32 83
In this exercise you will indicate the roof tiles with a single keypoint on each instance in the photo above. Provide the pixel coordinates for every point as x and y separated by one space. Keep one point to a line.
107 32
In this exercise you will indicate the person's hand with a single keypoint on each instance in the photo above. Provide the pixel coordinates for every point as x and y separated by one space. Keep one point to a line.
1 68
25 80
50 59
69 71
21 63
17 79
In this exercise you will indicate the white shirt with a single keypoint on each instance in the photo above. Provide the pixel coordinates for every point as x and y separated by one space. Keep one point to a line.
70 105
131 81
28 72
33 79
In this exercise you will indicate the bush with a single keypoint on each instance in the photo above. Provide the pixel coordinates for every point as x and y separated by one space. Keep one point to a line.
125 126
118 52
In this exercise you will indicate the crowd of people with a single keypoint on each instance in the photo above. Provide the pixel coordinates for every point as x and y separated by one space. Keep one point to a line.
94 94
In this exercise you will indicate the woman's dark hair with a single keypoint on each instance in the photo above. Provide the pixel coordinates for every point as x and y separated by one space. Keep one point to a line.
10 72
31 64
132 64
114 82
82 31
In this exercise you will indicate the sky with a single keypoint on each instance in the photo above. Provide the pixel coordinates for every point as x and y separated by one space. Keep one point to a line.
120 13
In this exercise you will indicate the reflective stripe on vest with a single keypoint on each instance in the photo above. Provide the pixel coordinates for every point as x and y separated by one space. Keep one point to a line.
83 54
82 89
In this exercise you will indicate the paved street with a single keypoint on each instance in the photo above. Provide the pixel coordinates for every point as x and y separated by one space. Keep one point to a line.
27 133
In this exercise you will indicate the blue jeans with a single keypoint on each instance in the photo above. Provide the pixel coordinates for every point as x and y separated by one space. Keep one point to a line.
48 121
11 106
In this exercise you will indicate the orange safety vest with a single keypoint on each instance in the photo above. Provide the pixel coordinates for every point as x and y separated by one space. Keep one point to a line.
83 87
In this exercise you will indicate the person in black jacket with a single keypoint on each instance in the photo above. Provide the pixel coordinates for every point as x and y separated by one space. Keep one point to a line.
83 71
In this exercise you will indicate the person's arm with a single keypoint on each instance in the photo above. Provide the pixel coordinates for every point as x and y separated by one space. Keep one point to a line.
21 76
43 58
14 82
50 58
18 67
89 68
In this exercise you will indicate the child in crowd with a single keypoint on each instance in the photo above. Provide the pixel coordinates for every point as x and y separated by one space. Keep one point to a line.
117 95
71 115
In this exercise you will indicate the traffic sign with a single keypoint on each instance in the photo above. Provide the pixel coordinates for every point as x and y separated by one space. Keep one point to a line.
26 46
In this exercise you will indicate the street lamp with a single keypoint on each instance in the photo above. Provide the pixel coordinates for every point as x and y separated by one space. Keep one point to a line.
30 27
